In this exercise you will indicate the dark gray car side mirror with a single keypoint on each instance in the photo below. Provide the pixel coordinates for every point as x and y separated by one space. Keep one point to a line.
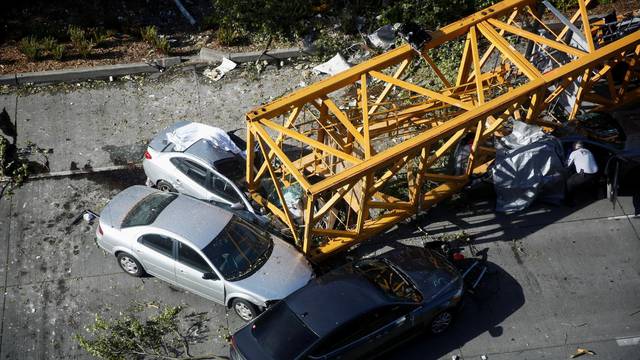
210 276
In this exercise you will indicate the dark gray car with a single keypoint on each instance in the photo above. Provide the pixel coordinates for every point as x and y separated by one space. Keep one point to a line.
355 310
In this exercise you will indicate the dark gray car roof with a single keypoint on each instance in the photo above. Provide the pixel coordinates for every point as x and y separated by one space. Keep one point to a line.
333 299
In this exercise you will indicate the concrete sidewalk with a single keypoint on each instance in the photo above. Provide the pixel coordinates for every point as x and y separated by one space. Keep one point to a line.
110 124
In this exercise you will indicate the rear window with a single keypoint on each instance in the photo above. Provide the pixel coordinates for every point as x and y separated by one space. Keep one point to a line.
281 333
147 210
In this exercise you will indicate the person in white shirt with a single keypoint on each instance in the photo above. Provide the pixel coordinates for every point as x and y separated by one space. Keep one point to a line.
586 169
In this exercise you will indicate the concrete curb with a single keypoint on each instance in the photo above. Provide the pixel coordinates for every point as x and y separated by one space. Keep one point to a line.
97 72
102 72
66 173
211 55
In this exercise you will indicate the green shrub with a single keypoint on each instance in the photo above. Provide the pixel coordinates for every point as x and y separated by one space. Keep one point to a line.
79 40
49 43
162 45
100 37
58 52
30 47
277 17
227 35
150 36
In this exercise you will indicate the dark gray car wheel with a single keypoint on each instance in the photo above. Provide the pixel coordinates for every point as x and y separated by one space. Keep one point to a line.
130 265
245 310
164 186
441 322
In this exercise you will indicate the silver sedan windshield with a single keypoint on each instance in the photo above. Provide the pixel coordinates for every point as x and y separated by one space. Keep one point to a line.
239 249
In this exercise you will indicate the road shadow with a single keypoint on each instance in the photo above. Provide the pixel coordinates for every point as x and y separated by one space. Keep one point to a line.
498 296
473 211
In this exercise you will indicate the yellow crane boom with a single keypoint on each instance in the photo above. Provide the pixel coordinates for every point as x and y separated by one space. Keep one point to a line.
365 147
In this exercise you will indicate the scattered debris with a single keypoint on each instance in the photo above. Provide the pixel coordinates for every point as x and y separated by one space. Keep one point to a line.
384 37
335 65
414 35
217 73
581 351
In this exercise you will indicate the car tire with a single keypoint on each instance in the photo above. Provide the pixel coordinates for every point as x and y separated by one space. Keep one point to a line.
165 186
130 265
441 322
244 309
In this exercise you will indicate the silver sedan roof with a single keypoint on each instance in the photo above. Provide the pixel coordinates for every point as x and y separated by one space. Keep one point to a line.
195 220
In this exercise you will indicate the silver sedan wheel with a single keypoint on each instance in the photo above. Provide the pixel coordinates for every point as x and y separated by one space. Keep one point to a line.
243 311
128 264
441 322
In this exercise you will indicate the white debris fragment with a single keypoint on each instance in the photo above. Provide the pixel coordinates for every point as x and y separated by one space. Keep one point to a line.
483 357
217 73
110 78
335 65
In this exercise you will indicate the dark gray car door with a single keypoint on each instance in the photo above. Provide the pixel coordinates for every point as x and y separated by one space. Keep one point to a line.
366 333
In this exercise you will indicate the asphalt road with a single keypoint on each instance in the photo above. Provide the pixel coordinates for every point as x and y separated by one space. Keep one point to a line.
560 278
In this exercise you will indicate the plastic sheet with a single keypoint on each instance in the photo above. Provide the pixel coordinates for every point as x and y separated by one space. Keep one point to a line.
528 166
336 64
187 135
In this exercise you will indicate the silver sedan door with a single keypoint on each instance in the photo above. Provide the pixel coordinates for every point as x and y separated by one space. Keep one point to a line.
190 269
155 252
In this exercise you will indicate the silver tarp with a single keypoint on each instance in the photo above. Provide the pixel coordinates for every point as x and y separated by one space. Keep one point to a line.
528 166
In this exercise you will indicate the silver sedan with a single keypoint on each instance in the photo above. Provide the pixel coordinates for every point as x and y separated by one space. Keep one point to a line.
200 247
196 166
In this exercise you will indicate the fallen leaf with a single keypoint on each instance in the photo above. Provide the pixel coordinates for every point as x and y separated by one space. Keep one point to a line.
581 351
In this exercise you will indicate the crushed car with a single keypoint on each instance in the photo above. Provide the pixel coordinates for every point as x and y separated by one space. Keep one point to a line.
218 255
361 308
201 161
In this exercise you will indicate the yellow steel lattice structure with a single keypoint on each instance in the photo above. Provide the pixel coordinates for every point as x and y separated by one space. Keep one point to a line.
365 149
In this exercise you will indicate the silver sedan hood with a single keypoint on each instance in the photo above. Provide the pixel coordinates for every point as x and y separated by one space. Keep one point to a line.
285 271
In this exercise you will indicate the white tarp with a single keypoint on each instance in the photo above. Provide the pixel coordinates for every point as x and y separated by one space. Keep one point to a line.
528 165
187 135
335 65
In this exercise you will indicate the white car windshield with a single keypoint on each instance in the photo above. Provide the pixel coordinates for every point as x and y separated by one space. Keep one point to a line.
239 249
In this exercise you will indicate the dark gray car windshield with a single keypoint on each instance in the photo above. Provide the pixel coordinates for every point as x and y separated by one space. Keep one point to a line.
281 334
147 210
239 249
388 279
